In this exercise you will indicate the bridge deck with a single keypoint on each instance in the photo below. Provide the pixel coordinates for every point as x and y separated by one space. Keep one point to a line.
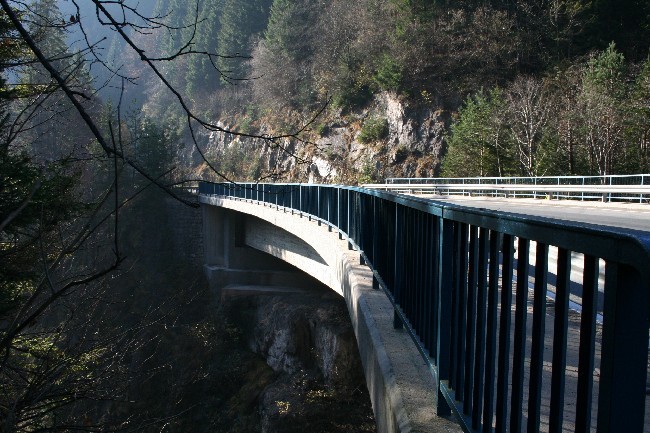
633 216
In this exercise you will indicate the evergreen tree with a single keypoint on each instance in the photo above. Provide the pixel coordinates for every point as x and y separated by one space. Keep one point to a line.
154 146
239 21
477 143
51 136
202 76
638 121
625 22
288 28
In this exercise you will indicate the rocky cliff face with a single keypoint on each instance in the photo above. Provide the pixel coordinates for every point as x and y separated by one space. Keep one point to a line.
420 130
337 151
308 341
412 145
300 333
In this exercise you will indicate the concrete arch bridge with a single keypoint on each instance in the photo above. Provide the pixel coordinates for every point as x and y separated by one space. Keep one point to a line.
494 342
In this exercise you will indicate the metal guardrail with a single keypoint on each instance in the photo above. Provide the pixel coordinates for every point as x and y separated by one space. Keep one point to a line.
581 192
624 179
460 287
605 188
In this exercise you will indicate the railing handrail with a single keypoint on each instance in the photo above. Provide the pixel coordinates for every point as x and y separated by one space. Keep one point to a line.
560 187
555 229
609 189
642 177
392 233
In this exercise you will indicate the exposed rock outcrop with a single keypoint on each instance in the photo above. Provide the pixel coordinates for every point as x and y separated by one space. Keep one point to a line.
307 339
334 149
301 332
420 129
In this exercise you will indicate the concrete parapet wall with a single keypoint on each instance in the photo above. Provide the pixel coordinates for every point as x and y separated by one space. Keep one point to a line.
401 387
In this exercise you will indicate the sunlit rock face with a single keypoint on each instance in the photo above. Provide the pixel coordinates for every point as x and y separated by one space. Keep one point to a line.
420 129
333 148
301 332
307 339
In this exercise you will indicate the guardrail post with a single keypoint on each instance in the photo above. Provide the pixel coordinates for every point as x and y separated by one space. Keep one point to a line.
338 211
328 197
398 263
375 231
641 195
444 283
347 216
621 396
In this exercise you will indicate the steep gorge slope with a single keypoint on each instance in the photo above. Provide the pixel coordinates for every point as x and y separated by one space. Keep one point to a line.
396 77
390 138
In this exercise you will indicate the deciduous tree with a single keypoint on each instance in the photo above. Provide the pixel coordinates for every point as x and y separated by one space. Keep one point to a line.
527 118
601 99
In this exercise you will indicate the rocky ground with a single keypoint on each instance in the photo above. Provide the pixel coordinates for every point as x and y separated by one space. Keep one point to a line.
291 364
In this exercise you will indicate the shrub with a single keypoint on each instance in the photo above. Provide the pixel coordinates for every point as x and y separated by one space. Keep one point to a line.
389 74
373 129
368 173
322 129
352 95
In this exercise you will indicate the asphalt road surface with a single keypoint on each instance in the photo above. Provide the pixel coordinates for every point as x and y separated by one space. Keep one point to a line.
634 216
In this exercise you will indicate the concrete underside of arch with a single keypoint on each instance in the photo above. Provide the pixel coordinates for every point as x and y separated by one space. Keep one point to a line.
402 388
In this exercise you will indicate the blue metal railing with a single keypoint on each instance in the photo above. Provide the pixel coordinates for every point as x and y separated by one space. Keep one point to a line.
464 288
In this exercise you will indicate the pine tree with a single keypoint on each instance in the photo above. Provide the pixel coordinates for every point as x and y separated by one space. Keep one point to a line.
638 121
477 143
239 21
46 139
202 76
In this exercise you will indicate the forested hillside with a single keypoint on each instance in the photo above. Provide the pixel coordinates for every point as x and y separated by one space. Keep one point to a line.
520 87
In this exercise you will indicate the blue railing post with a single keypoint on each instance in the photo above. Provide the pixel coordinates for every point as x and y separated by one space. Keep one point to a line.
538 332
327 197
375 231
340 206
347 213
444 288
560 337
621 401
398 258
